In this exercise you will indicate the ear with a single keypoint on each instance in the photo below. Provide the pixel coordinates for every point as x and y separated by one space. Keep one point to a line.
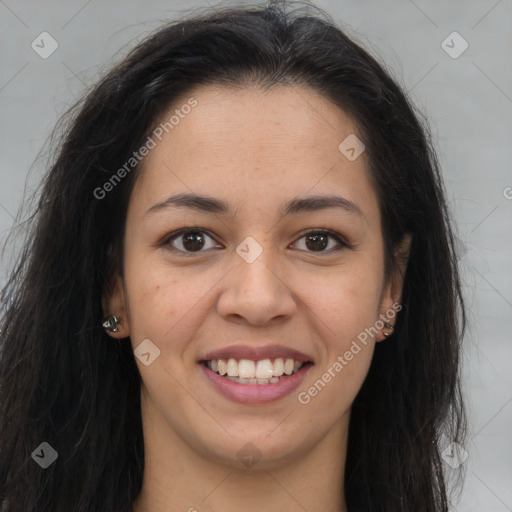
113 303
392 294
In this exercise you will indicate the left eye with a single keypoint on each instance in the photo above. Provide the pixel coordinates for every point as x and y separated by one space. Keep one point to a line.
319 240
191 241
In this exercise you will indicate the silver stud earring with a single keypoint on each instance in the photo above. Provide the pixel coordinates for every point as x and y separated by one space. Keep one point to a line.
111 323
388 326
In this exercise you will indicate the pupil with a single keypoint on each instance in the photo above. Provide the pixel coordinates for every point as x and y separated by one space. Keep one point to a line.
193 241
319 241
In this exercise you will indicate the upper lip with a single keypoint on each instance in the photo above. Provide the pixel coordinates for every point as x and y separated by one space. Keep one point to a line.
256 353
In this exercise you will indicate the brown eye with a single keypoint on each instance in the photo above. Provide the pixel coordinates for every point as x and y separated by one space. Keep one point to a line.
193 241
189 241
318 241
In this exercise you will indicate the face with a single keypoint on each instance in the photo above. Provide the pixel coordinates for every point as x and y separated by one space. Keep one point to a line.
271 270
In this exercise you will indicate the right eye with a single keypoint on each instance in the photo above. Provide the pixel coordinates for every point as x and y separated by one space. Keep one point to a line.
187 241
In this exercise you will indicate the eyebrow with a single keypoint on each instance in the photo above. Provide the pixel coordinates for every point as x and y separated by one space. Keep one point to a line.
293 206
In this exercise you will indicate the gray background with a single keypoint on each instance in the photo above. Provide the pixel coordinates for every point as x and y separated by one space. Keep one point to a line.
468 101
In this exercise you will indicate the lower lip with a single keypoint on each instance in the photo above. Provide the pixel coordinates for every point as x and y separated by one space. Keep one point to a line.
255 393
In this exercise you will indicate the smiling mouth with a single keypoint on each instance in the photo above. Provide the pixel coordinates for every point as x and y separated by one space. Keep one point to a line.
249 372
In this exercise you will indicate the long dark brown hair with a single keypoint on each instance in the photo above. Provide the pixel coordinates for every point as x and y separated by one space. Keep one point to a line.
65 382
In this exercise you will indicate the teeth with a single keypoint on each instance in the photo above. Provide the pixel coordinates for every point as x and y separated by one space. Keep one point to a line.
232 368
264 369
246 371
223 366
278 367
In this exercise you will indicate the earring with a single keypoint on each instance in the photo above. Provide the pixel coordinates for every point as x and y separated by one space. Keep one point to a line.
111 323
388 326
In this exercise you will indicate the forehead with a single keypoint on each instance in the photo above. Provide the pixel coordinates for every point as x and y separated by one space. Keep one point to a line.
291 117
247 145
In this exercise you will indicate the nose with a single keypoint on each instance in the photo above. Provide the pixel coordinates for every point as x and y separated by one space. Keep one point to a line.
257 293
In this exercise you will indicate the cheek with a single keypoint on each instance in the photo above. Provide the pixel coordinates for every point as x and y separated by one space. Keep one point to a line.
155 300
348 313
348 300
348 306
166 303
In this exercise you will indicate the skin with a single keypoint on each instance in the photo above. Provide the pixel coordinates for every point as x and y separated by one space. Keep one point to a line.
255 150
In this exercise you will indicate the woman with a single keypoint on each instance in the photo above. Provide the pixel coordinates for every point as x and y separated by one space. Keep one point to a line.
240 290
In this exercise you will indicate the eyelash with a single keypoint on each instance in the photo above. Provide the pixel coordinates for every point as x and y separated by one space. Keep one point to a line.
185 231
